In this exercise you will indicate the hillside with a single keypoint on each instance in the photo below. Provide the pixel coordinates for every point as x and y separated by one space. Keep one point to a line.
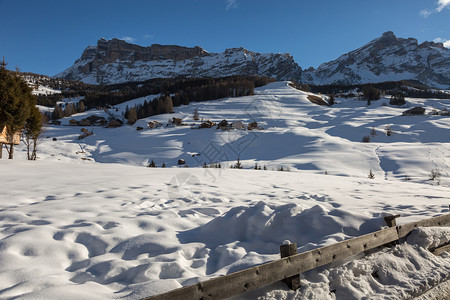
296 134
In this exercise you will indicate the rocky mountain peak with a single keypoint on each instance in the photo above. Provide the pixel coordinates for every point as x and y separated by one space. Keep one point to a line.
108 51
387 58
116 61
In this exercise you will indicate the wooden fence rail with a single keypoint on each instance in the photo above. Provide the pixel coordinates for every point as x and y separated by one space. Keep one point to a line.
271 272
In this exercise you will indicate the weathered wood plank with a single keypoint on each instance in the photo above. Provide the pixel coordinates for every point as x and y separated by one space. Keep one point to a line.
441 249
265 274
405 229
259 276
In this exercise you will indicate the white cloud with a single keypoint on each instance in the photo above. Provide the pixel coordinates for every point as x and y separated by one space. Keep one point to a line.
128 39
231 4
148 36
443 4
425 13
441 40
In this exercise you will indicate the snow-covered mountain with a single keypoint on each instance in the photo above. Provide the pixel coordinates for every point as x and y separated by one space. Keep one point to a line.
387 58
116 61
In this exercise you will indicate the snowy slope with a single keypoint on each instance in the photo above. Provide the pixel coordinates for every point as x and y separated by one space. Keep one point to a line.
387 58
297 134
89 220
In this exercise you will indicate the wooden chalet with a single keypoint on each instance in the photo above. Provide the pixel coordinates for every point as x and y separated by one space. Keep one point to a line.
5 138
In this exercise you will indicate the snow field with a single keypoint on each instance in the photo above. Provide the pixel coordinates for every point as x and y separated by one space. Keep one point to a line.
126 231
88 220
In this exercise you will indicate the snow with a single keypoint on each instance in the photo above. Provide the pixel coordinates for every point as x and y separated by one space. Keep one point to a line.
44 90
381 61
235 61
89 220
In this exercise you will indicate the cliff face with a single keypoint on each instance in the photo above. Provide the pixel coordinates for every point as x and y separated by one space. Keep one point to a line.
387 58
112 50
116 61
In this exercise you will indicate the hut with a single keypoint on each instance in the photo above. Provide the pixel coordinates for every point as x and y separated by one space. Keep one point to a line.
415 111
7 139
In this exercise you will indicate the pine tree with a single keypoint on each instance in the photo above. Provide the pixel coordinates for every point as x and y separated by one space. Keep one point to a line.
16 102
152 164
238 164
168 105
331 101
32 130
196 116
127 111
57 112
159 106
69 110
81 107
132 116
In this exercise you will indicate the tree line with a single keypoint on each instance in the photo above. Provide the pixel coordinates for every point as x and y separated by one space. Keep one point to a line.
409 88
166 103
180 91
102 96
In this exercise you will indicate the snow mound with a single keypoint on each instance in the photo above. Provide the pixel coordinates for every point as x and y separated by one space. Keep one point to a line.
264 227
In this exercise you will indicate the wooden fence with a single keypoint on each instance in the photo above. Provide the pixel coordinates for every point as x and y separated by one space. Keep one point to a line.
288 268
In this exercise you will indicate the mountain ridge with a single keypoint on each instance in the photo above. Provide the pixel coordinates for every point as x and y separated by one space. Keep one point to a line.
386 58
115 61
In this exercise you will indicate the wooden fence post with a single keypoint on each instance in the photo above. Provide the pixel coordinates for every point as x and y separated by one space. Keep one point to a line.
288 250
390 220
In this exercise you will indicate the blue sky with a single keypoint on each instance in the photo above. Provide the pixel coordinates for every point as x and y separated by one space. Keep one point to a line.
47 36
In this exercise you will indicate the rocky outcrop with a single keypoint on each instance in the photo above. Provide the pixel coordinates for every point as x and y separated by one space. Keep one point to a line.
116 61
387 58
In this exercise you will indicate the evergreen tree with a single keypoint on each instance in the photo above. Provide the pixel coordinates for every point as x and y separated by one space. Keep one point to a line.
397 99
331 101
32 130
57 112
81 107
238 164
196 116
127 110
159 106
370 93
168 105
69 110
132 116
16 101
